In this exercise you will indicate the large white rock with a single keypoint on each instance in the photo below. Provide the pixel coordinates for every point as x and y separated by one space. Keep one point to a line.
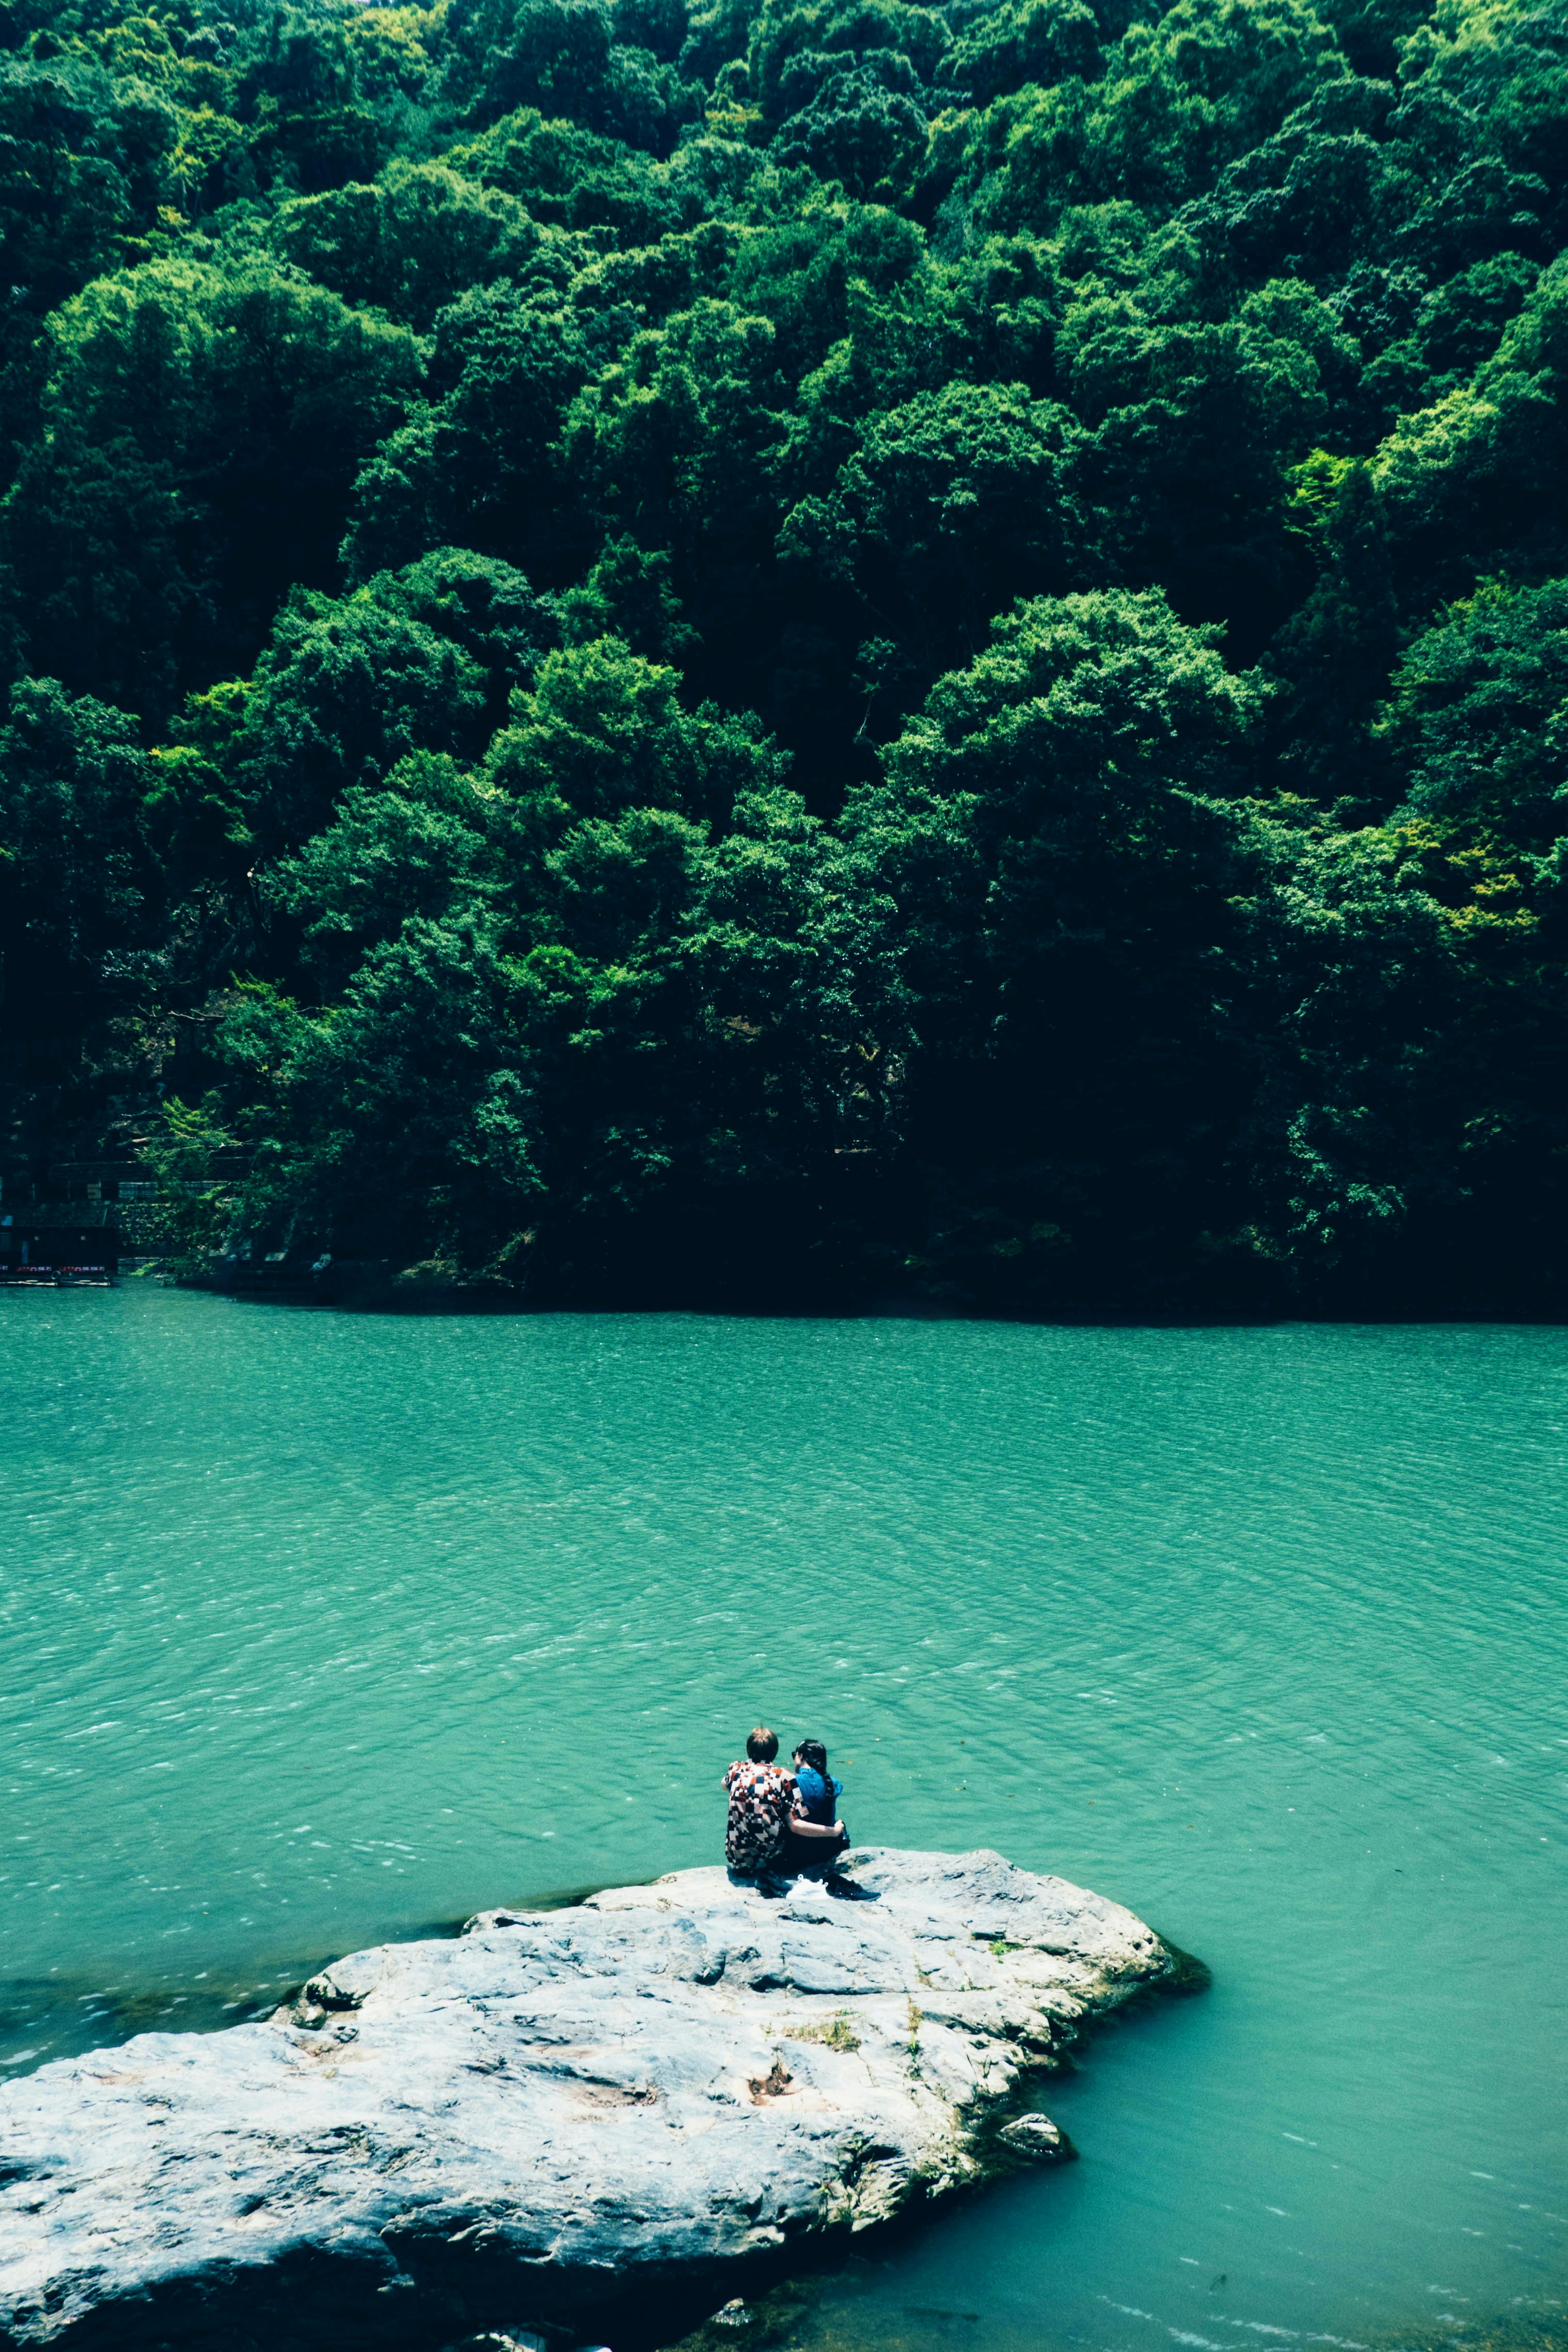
510 2128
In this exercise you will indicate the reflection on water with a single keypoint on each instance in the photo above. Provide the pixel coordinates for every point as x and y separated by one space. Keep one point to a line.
318 1629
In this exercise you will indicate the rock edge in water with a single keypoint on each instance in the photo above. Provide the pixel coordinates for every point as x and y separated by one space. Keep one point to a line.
512 2126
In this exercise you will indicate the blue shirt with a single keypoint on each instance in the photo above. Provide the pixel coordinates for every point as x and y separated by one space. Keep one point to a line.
819 1806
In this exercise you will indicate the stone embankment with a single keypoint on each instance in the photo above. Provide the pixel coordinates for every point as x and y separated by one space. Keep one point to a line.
506 2130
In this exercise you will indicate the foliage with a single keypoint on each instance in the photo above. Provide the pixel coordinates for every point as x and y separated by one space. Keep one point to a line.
201 430
797 650
1479 714
409 242
76 872
182 1155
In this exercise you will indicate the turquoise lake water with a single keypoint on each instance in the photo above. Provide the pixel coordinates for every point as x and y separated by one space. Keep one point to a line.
317 1629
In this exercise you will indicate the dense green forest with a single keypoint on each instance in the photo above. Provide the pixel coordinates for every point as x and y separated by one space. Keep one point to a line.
796 651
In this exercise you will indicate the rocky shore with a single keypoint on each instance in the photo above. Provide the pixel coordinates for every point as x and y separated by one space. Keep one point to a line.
507 2130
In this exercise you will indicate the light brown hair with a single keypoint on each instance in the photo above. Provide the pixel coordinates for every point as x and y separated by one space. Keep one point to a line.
762 1745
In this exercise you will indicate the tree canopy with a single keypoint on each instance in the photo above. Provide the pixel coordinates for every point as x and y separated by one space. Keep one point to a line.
796 652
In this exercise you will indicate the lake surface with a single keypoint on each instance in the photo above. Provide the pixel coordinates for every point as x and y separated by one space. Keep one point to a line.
318 1628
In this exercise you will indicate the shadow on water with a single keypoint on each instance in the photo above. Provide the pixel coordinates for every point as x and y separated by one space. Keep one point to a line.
833 2314
62 2015
1188 1975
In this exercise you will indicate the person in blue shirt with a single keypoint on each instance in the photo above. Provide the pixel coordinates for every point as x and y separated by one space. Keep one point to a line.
814 1811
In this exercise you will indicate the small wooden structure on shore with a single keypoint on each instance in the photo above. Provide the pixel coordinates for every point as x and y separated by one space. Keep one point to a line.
51 1256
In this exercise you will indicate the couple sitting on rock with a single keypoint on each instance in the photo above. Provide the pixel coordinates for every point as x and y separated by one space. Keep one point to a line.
783 1823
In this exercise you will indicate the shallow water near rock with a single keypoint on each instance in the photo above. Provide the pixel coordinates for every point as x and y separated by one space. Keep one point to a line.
321 1629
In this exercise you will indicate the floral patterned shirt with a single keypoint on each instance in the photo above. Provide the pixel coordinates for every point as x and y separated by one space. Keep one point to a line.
761 1797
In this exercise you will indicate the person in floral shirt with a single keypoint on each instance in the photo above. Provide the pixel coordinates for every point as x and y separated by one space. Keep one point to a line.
762 1800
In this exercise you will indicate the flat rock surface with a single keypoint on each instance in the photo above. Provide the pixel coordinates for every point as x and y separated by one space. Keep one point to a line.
509 2127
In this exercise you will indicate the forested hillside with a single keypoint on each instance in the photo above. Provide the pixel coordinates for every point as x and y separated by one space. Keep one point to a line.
796 651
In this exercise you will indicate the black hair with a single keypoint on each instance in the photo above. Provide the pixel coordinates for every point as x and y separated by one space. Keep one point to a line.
812 1754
